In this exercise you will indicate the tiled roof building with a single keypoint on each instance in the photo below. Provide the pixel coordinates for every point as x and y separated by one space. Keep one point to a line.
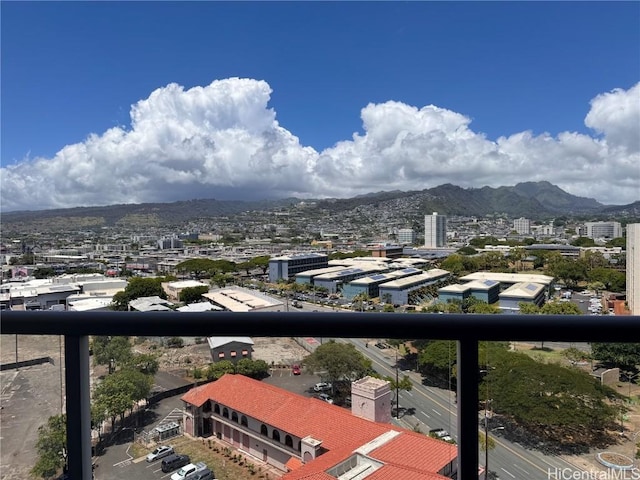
311 439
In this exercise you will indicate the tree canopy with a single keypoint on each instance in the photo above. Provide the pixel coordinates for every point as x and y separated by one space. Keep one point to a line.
193 294
340 361
624 355
136 288
557 403
52 441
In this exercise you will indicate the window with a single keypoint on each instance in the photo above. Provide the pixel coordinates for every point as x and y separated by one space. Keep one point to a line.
225 412
234 417
288 441
243 421
216 409
263 430
221 355
275 435
207 406
233 353
245 353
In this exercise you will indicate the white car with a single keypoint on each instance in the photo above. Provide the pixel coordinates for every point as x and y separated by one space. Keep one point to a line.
321 387
160 452
326 398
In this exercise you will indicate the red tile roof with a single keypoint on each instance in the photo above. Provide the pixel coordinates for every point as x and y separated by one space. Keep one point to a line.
340 432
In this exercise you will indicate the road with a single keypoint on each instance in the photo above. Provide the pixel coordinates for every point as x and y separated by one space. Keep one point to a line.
435 408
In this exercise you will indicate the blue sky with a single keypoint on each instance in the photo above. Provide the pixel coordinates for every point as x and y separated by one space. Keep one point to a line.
524 72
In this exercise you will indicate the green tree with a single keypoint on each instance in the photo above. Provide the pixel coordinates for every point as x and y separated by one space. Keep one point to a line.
198 267
193 294
571 272
44 272
146 363
340 361
553 402
560 308
454 264
218 369
261 262
257 369
111 351
52 441
617 242
612 280
584 242
136 288
467 251
624 355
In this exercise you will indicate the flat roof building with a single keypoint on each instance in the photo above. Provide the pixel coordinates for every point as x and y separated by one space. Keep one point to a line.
603 230
525 292
486 290
397 291
286 267
370 285
333 281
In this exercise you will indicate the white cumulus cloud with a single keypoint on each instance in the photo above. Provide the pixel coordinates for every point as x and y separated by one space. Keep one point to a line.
223 141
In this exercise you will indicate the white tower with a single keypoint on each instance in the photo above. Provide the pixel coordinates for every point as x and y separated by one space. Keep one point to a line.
435 230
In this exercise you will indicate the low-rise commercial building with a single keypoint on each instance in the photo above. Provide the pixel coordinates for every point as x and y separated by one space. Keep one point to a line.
397 291
525 292
286 267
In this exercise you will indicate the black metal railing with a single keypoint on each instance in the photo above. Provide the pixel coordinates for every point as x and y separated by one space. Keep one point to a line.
468 330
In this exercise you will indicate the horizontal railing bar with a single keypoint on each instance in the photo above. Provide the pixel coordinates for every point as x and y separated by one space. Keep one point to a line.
571 328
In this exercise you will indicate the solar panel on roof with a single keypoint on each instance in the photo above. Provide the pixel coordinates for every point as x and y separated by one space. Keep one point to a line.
489 283
531 287
379 276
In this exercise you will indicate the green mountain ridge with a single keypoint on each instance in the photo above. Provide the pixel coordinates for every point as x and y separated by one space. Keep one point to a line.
533 200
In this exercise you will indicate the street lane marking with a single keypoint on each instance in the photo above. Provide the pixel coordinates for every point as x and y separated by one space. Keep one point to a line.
520 468
436 412
508 472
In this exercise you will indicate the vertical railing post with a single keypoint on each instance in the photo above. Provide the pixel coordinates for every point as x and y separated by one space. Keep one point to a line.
467 409
76 360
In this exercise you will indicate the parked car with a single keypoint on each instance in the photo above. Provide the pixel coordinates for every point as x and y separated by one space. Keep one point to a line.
325 398
160 452
174 461
296 370
321 387
296 304
189 471
205 474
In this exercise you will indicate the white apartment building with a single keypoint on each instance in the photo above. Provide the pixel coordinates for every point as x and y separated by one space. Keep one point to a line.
406 236
603 229
435 230
633 268
522 226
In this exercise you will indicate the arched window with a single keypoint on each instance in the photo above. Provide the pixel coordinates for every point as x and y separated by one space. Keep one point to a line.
275 435
288 441
234 417
243 421
225 412
264 431
216 409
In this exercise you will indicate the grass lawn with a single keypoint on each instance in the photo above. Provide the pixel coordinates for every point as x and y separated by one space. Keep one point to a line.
546 355
221 462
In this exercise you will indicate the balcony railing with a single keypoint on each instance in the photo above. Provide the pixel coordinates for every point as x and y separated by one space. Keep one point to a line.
468 330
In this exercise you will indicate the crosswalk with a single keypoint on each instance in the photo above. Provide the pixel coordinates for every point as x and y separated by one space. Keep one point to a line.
174 415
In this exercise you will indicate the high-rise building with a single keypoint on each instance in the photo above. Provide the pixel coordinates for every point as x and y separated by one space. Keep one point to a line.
633 268
435 230
522 226
406 236
603 229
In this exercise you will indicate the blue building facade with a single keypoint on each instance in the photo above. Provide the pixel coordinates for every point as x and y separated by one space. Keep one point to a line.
286 267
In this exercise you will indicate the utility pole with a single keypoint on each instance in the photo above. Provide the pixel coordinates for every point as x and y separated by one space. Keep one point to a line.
397 389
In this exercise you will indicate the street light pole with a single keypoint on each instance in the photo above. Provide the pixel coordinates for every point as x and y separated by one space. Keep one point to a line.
397 389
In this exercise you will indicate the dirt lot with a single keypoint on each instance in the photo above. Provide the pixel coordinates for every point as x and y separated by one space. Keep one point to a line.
274 351
32 394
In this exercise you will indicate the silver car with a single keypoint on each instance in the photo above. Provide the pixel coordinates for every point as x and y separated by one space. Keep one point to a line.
159 452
